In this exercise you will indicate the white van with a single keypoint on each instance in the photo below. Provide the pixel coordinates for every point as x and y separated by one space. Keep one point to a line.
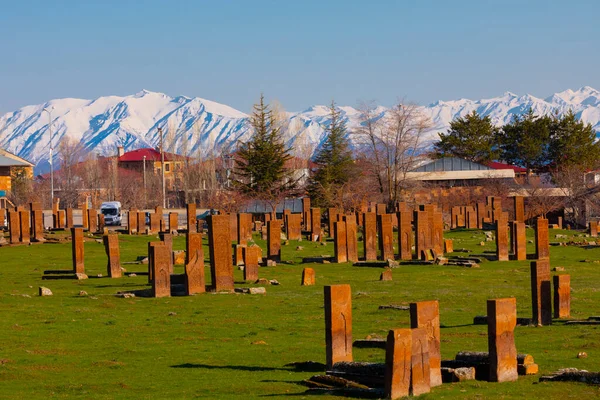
112 212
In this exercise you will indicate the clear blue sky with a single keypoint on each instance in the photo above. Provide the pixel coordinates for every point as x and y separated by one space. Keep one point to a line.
298 52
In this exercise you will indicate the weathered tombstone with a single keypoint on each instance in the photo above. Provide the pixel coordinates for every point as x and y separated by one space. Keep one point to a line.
263 232
173 222
194 274
519 205
471 218
502 238
461 219
244 228
315 224
84 214
541 296
2 216
339 242
141 222
448 246
386 236
167 239
306 214
101 220
219 244
191 217
274 240
420 374
14 227
559 222
193 242
481 214
386 275
351 238
502 319
111 246
69 218
308 277
593 228
92 220
420 232
542 244
251 256
496 208
154 223
161 277
77 250
332 214
293 226
404 235
426 315
519 240
24 226
398 361
150 259
233 226
562 296
338 324
132 227
437 232
158 210
370 236
37 224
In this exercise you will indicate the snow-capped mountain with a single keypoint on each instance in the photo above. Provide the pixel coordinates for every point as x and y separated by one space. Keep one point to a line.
198 126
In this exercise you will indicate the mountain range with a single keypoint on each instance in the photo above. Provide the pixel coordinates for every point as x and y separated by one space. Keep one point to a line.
199 126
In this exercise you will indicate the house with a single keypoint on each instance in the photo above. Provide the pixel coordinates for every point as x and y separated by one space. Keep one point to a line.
12 167
454 171
150 160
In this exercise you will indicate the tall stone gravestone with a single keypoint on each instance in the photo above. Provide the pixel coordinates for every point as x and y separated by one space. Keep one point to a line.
77 250
274 240
332 214
132 227
519 240
37 224
92 220
420 381
437 232
167 239
24 226
398 362
191 217
219 245
421 230
351 238
502 238
562 296
315 224
111 247
404 235
69 218
194 274
542 244
14 227
426 315
593 228
161 282
481 214
541 296
339 242
519 205
141 222
338 324
251 255
386 236
154 223
306 217
193 243
370 236
244 228
293 226
173 222
502 319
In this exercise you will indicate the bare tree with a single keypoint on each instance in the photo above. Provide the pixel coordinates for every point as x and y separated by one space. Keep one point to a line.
579 195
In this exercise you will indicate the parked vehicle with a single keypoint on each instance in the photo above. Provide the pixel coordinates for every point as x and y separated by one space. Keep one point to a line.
112 212
202 217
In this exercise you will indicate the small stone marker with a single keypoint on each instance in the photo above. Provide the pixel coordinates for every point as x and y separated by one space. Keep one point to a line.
191 217
448 246
370 236
293 226
111 246
274 240
238 254
44 291
426 315
519 240
593 228
339 242
386 236
161 282
77 250
173 222
541 296
194 274
308 277
338 324
562 296
420 374
502 319
251 255
398 362
315 224
386 275
219 245
542 244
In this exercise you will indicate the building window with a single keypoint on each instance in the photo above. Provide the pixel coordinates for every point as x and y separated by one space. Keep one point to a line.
167 167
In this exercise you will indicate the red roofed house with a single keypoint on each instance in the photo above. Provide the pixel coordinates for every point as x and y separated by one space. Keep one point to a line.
519 171
150 159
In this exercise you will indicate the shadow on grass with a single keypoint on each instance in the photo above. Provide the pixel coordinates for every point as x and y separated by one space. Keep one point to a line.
234 367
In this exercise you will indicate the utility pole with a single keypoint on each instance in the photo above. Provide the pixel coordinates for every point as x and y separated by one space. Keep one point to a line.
162 169
51 162
145 201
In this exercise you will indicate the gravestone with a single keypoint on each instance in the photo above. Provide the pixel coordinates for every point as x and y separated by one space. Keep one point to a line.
562 296
101 220
519 205
404 235
332 214
274 240
244 228
437 232
167 239
37 224
351 238
151 260
263 232
502 319
519 240
161 277
159 211
420 232
481 214
542 244
593 228
541 296
154 223
381 209
339 242
14 227
338 324
386 236
306 214
386 275
559 222
454 211
141 223
420 372
173 222
251 256
190 209
77 250
315 224
502 245
111 247
308 277
132 227
471 217
219 245
293 226
2 216
92 220
193 242
24 226
426 315
61 219
398 361
496 208
370 236
194 274
84 214
69 218
448 246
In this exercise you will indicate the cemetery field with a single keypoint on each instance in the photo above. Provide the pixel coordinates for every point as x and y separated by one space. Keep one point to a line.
226 346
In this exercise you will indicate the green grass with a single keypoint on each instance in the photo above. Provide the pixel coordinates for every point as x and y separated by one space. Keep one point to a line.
236 346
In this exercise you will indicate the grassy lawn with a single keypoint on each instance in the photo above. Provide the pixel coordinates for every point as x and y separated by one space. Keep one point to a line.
236 346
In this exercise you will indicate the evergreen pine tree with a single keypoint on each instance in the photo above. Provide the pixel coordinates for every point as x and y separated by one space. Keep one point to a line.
573 143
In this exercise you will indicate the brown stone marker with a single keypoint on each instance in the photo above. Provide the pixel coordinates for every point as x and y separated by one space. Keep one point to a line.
308 277
77 250
386 236
84 220
502 238
173 222
193 242
191 217
37 224
502 319
2 216
562 296
101 220
274 240
219 245
14 227
244 228
338 324
519 240
60 215
132 227
386 275
233 226
293 226
24 226
154 223
519 205
398 360
194 274
351 238
167 239
370 236
339 242
69 218
315 224
404 235
141 222
542 244
151 260
454 211
541 297
448 246
593 228
251 256
306 214
481 214
437 233
420 232
471 218
161 282
111 246
332 214
92 216
426 315
420 374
